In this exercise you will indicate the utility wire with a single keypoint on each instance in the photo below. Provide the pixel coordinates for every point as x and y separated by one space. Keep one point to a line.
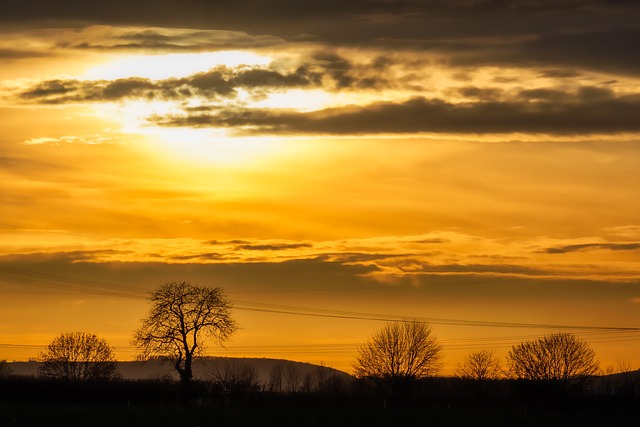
77 285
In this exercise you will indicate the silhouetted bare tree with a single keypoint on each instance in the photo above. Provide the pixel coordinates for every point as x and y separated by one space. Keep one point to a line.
235 376
479 365
308 384
623 379
398 355
291 378
78 357
5 369
559 357
182 317
623 366
276 378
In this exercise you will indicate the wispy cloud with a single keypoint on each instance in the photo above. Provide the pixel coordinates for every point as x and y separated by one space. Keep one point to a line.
383 258
592 246
586 110
421 115
324 70
273 246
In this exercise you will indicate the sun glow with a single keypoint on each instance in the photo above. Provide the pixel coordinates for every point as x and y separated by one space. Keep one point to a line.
158 67
302 100
207 146
193 145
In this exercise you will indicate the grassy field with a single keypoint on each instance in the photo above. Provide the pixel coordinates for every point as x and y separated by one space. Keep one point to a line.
299 414
33 402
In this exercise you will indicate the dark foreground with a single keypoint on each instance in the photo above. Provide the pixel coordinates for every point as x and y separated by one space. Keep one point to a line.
140 404
25 414
282 414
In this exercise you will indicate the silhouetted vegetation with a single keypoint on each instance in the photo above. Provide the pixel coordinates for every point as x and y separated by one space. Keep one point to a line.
397 356
437 401
556 362
78 357
182 317
235 377
5 369
78 383
480 365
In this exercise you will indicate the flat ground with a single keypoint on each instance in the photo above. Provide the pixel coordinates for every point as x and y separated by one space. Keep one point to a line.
284 414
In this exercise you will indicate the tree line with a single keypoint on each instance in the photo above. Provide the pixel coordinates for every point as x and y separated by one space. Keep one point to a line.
184 318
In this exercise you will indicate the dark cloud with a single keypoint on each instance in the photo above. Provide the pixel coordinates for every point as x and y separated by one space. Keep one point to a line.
313 272
500 269
209 256
336 66
481 93
9 54
552 95
51 89
610 50
175 41
596 34
298 15
211 84
592 246
238 242
431 241
67 256
580 114
120 88
560 73
273 247
326 70
360 257
269 78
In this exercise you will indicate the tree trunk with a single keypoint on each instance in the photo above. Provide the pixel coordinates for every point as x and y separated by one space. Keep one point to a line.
186 374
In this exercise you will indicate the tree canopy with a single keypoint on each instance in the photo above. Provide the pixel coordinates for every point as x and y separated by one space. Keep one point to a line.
559 357
479 365
399 354
79 357
181 319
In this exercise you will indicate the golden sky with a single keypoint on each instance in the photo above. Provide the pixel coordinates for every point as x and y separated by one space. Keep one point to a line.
331 165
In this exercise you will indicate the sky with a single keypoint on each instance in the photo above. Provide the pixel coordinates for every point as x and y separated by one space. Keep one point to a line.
331 165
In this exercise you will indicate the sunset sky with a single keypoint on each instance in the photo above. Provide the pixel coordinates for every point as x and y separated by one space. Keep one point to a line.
331 165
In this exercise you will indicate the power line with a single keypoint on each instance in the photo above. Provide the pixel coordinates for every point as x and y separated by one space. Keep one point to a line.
77 285
305 311
338 348
64 233
67 283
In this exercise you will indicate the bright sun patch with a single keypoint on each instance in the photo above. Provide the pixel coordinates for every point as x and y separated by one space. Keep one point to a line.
157 67
194 145
301 100
212 146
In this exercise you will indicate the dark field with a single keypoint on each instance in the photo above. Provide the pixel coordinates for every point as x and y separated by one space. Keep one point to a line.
281 414
147 403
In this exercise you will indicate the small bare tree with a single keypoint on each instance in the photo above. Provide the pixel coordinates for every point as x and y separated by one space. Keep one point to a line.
235 376
291 378
181 319
308 383
78 357
623 366
398 355
276 378
5 369
558 357
479 365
